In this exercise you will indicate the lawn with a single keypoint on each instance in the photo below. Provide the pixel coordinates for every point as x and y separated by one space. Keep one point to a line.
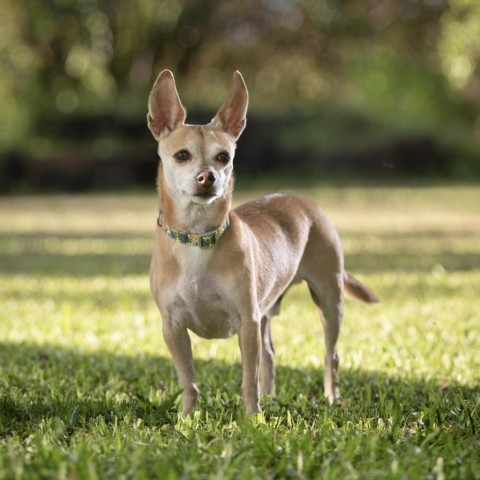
88 390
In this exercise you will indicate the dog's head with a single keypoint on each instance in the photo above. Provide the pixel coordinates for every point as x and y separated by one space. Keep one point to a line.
196 161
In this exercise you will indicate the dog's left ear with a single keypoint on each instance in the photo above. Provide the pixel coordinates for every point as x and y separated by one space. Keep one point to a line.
232 116
165 110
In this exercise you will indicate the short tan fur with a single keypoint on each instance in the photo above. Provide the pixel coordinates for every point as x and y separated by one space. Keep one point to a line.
235 286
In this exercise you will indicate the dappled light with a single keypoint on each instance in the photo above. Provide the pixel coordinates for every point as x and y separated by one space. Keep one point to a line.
84 371
371 108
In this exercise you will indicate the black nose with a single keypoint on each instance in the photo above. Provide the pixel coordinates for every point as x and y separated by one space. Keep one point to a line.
205 178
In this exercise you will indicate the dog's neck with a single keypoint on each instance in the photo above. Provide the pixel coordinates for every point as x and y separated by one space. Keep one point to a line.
192 217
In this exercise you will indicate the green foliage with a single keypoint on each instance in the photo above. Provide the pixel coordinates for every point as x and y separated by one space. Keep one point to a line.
88 390
459 47
412 61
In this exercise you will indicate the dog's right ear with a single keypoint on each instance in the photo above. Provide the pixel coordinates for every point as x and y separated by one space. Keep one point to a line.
165 111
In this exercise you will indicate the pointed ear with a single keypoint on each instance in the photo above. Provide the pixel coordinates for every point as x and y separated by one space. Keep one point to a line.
165 111
232 116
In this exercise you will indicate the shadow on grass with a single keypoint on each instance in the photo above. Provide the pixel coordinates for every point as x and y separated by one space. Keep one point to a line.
43 254
77 266
48 383
30 254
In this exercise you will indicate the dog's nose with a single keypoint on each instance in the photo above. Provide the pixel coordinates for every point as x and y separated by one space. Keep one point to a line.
206 178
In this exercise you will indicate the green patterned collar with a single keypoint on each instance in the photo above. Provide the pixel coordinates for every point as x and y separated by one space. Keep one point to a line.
202 240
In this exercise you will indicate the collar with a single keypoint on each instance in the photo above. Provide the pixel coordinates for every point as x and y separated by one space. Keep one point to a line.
202 240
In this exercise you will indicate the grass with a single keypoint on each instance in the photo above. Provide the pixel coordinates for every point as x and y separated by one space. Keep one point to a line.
88 390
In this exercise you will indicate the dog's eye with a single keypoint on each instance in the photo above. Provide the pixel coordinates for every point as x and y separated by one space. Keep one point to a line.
182 156
223 157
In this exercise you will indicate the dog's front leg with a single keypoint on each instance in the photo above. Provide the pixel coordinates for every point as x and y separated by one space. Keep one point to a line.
249 338
178 342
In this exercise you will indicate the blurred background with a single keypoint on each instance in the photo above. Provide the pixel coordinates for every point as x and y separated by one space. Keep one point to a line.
357 89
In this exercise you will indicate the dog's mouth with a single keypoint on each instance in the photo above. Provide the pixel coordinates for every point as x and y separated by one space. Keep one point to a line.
204 196
207 193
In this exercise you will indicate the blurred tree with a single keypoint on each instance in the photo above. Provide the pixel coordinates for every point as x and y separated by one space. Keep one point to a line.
399 58
459 46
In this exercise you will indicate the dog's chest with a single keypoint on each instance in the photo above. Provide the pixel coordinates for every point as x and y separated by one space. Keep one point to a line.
200 305
198 300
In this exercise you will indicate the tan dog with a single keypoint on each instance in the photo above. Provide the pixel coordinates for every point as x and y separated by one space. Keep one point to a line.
220 272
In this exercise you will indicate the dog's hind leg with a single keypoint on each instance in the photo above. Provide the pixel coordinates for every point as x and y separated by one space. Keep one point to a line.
330 302
267 371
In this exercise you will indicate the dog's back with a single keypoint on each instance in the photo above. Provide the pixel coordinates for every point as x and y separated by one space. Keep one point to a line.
293 241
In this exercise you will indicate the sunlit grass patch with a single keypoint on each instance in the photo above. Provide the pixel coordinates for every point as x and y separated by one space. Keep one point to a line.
88 389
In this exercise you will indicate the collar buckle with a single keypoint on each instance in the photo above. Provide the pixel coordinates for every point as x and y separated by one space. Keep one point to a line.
209 239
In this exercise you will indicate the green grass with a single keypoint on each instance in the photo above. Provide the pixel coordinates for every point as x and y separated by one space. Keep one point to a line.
88 390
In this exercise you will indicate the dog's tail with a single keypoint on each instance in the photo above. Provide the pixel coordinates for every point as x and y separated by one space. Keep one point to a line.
357 289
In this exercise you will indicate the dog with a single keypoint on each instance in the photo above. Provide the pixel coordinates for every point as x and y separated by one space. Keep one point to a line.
219 271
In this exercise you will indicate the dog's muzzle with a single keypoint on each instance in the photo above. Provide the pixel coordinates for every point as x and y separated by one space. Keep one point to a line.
206 184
